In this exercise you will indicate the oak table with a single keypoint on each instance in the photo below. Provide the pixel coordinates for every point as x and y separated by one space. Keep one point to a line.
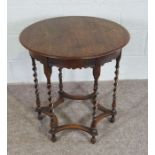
74 42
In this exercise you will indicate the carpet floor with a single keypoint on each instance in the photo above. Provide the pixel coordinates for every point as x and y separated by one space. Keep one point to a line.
127 136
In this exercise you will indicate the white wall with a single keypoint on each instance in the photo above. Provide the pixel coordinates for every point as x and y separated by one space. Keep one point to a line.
130 13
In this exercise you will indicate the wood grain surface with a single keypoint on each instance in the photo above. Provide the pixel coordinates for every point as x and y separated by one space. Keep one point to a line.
74 37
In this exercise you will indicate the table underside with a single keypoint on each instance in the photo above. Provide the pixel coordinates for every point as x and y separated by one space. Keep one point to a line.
99 112
104 112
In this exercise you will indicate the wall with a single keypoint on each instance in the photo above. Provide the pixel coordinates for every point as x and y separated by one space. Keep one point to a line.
130 13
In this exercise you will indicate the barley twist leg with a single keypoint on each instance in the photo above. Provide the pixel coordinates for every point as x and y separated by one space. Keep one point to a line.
34 68
112 119
96 74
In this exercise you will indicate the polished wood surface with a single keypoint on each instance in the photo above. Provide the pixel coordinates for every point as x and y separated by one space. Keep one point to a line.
74 42
74 37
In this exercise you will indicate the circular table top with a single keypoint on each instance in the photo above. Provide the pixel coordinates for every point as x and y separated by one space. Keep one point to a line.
74 37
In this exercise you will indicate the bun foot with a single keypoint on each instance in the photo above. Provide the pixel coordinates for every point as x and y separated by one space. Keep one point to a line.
40 117
93 140
53 139
112 119
36 109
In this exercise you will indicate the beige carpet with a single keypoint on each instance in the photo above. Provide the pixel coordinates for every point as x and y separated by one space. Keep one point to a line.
127 136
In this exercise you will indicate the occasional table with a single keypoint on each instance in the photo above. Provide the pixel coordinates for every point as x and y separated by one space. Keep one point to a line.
74 42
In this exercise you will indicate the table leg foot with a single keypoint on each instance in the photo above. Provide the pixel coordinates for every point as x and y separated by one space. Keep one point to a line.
93 140
112 119
53 125
53 138
40 116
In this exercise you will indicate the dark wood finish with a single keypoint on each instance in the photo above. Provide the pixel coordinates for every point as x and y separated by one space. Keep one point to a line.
60 83
96 74
77 97
48 72
34 68
75 42
115 89
74 37
73 126
103 109
54 120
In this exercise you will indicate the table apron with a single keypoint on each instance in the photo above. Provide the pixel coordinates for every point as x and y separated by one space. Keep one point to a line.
76 63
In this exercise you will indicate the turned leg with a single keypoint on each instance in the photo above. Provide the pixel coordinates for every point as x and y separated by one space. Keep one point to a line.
112 119
48 72
60 83
53 122
96 74
53 125
34 68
